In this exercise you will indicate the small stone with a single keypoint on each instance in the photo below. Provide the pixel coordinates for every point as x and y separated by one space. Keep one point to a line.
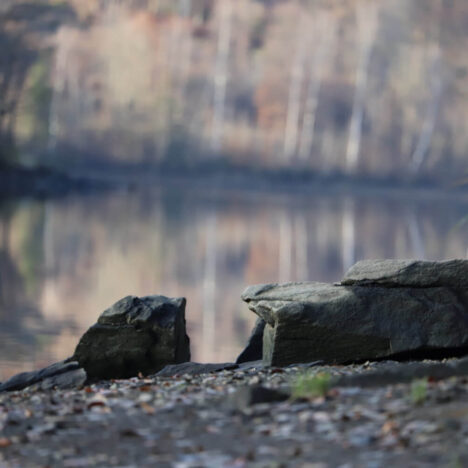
253 395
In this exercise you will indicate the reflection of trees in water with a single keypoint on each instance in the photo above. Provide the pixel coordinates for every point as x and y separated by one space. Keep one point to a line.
94 250
15 308
22 325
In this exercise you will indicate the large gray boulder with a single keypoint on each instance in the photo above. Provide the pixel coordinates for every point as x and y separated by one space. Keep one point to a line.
135 335
340 324
415 273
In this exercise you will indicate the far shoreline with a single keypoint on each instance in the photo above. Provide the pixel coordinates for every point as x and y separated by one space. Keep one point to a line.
44 182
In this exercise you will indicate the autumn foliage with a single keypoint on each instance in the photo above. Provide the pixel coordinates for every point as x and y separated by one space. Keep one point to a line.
360 87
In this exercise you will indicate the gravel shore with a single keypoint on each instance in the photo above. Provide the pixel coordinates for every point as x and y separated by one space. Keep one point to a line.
208 421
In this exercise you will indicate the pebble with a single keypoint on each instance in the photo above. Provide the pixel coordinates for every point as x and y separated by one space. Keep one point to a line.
183 421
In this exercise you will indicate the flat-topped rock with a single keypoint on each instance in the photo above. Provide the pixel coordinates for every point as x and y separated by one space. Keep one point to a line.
414 273
283 292
64 374
339 324
135 335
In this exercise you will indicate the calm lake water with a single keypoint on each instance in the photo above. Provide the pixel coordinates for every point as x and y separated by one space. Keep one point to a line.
62 262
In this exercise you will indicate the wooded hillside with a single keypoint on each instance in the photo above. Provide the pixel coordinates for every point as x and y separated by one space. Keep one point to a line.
359 87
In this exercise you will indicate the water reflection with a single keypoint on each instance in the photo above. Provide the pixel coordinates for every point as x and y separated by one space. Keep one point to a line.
64 261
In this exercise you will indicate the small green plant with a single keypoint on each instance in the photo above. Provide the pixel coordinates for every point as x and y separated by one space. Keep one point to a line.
309 385
418 391
456 462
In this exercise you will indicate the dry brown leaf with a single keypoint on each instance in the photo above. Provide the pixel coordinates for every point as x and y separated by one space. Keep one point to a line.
4 442
389 427
148 409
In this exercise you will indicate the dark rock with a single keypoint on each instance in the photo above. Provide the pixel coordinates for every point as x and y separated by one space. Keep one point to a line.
195 368
72 379
340 324
135 335
56 375
247 396
306 365
414 273
252 365
253 350
395 373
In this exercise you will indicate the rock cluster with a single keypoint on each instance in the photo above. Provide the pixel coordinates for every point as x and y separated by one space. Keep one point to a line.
397 309
381 309
135 335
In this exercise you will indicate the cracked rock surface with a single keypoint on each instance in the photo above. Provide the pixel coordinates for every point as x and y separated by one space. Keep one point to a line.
381 309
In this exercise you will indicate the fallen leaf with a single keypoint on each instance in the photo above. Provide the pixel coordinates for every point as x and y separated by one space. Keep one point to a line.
389 427
4 442
148 409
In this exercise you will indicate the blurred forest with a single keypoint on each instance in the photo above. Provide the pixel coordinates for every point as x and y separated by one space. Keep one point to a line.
362 87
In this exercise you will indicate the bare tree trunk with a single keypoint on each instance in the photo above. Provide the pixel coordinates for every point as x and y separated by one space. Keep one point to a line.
221 74
164 116
186 54
325 29
367 25
291 131
59 78
181 55
424 142
185 7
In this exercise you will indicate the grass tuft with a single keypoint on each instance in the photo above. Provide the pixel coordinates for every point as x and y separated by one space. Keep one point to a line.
311 385
418 391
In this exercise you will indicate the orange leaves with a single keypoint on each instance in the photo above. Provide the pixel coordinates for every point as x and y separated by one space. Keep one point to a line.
4 442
